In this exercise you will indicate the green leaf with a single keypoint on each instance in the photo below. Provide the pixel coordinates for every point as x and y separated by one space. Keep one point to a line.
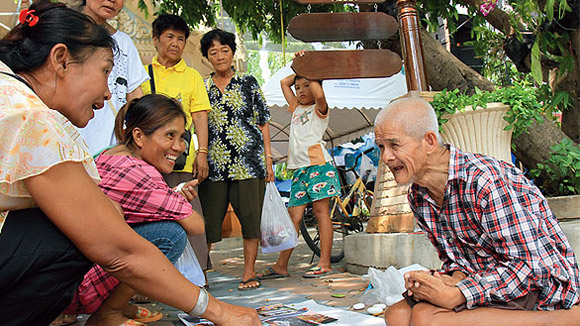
536 64
549 9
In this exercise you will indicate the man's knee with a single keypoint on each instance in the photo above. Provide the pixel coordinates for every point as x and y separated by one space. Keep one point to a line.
424 314
398 314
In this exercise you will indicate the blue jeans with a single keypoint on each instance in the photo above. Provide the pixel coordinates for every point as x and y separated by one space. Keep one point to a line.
168 236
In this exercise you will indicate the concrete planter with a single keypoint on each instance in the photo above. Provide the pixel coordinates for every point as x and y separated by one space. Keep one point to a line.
480 131
565 207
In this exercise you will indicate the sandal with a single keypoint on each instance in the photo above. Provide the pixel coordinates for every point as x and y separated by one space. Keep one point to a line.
144 315
316 272
64 319
140 298
270 273
132 322
243 284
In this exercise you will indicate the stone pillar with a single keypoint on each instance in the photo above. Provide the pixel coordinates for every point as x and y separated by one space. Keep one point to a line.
390 212
390 209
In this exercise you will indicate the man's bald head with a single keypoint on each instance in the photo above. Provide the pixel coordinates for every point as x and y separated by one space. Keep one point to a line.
413 114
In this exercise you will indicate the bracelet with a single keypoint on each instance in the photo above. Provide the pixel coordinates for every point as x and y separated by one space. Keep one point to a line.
202 150
269 155
201 304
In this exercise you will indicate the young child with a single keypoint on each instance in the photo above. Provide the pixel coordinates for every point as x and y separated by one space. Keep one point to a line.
315 179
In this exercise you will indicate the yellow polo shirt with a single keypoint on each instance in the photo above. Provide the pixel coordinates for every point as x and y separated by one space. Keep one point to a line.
187 86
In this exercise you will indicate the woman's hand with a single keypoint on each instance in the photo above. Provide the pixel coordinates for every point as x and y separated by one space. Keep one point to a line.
238 315
200 167
270 176
221 313
187 189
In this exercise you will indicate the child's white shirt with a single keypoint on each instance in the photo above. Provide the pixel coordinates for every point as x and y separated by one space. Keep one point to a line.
306 147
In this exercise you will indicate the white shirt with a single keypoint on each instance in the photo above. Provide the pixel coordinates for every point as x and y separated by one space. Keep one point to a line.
128 73
306 147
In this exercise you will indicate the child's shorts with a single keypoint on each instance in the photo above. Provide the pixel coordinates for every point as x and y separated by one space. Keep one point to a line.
313 183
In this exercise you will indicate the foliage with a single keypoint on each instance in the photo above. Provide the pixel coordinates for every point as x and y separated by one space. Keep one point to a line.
561 172
195 12
254 68
549 48
524 101
281 172
275 61
551 44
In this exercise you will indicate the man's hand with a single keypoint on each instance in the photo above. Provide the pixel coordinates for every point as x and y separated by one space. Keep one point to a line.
200 167
432 288
452 280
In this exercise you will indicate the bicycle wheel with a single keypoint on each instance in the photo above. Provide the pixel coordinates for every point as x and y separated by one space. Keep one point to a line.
312 236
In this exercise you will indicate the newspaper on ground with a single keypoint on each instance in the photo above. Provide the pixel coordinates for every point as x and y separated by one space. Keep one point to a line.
305 313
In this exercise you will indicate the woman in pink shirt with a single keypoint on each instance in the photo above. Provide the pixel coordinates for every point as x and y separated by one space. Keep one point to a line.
150 131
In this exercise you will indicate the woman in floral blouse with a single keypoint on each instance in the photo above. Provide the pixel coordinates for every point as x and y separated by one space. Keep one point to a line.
240 160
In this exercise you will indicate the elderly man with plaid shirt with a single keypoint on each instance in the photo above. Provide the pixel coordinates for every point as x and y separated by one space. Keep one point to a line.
505 259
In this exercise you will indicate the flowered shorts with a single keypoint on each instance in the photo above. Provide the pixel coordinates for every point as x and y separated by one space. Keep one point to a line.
313 183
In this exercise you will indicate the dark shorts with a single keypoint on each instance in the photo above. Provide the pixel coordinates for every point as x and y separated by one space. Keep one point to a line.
40 269
246 197
527 302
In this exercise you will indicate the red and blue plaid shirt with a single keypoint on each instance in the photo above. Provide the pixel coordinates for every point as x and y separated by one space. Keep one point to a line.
495 226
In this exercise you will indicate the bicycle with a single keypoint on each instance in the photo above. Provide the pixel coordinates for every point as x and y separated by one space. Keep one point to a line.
348 214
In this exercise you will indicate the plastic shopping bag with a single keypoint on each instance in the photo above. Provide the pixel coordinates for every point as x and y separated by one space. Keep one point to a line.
278 232
188 265
388 286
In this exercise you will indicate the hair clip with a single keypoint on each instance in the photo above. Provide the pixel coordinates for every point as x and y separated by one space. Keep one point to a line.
28 17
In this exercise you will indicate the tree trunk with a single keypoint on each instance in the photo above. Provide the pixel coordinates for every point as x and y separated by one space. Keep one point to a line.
571 84
444 70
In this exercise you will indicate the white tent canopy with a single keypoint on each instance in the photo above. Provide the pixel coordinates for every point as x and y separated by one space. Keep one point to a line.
354 102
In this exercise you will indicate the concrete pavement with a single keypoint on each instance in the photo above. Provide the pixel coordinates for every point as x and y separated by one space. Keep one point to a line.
340 289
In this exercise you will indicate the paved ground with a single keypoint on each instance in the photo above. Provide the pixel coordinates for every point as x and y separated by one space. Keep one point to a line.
224 279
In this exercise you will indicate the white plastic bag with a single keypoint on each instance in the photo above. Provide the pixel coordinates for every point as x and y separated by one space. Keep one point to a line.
188 265
278 232
388 286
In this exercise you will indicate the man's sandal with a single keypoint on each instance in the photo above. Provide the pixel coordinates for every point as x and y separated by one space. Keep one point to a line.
243 284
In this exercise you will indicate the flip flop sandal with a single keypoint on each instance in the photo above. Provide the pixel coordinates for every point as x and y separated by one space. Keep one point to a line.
140 298
243 287
145 315
316 272
65 317
132 322
270 273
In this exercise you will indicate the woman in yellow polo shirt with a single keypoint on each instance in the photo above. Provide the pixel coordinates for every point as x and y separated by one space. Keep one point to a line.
171 76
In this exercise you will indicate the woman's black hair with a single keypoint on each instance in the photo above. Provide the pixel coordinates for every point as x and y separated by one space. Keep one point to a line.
26 47
169 21
225 38
147 113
